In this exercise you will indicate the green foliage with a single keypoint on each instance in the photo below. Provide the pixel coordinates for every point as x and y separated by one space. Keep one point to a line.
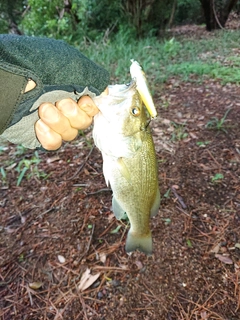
116 229
188 11
3 23
202 143
44 19
217 177
171 48
11 13
93 20
29 166
162 59
218 124
179 132
147 18
3 175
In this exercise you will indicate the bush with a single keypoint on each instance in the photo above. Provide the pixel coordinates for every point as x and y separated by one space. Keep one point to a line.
188 11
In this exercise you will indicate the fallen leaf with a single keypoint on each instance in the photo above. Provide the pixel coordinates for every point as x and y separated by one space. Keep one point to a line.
139 264
87 280
102 257
215 249
224 259
86 172
204 315
35 285
61 259
9 168
53 159
166 121
193 135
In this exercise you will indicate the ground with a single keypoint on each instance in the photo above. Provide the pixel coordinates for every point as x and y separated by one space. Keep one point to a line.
54 231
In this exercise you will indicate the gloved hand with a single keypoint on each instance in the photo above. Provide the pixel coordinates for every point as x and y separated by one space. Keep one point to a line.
47 86
62 122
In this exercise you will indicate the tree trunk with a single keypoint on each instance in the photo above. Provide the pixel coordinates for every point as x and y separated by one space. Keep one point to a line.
229 5
216 16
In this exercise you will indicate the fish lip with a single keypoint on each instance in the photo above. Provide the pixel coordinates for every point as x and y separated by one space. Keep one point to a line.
128 86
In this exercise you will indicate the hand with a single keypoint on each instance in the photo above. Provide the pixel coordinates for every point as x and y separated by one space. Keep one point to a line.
62 122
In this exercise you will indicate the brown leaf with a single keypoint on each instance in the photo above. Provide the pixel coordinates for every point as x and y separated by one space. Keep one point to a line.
215 249
87 280
224 259
53 159
139 264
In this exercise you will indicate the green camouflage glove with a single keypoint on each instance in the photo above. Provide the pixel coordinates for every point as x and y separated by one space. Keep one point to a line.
59 71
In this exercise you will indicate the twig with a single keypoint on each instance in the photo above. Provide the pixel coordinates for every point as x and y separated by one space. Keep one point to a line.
45 212
106 230
89 243
82 166
90 239
216 17
218 164
30 296
104 268
179 198
180 209
83 306
99 191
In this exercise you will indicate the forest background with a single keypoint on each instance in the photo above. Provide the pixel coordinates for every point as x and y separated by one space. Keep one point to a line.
91 20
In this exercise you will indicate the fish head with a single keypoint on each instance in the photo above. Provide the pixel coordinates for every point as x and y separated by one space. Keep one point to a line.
123 109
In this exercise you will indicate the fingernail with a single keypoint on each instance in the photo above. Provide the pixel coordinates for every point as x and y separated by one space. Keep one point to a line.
49 112
42 127
68 107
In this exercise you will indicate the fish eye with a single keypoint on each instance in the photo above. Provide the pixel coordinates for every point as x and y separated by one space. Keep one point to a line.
135 111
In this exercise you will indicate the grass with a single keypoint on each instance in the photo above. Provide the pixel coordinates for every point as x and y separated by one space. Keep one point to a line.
179 132
212 56
27 168
218 124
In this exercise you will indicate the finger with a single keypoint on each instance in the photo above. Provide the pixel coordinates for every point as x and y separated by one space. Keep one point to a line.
77 117
87 105
49 139
51 116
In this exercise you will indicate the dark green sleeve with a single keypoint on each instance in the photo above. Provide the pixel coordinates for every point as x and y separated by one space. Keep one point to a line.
11 88
52 64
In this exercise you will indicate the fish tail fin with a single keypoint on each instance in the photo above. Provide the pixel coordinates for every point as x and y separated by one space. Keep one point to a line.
141 242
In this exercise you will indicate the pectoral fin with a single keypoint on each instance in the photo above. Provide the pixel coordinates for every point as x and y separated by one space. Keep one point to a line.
156 204
117 209
123 169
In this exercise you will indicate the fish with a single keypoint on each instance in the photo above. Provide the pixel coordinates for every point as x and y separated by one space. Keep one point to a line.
122 133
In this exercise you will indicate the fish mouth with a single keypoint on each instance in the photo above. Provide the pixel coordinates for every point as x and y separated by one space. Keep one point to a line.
119 90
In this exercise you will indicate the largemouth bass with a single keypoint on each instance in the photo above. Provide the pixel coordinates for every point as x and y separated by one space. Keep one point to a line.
121 132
